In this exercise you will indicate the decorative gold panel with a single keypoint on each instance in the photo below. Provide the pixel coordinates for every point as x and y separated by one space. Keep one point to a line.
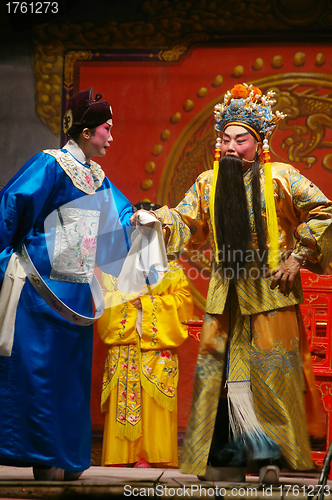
170 26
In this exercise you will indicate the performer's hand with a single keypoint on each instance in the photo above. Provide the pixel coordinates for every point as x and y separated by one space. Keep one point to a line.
286 273
133 218
137 303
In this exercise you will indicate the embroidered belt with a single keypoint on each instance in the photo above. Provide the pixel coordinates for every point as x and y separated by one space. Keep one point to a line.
53 301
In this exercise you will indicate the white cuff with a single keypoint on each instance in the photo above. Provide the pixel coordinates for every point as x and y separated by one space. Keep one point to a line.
300 258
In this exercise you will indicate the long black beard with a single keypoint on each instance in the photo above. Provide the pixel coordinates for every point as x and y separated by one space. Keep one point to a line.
233 230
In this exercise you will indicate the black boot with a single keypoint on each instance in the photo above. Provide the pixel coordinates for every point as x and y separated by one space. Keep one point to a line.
44 473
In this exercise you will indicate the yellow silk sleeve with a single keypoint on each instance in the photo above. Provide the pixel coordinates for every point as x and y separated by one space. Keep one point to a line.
309 211
188 221
164 312
117 324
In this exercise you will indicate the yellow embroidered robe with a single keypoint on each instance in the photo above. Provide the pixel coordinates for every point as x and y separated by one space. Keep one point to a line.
139 394
263 329
305 225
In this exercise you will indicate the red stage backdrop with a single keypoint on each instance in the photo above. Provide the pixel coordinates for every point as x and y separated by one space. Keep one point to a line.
164 137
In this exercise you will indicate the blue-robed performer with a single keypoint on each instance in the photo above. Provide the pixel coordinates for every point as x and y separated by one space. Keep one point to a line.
60 214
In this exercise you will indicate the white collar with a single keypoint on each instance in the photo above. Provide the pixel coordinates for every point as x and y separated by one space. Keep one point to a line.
73 148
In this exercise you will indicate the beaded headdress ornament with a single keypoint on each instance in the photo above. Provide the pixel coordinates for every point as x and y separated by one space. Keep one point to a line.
245 105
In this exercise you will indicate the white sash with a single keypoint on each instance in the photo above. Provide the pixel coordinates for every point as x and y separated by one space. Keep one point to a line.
11 288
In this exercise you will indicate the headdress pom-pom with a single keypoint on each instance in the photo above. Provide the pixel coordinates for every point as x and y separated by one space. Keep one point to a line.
266 146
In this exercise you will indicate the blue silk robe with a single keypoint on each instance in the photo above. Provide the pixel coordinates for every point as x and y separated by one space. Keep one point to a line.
45 384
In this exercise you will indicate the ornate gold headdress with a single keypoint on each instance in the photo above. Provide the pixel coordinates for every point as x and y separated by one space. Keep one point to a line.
246 105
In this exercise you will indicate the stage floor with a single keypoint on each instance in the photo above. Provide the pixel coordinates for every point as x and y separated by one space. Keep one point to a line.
122 482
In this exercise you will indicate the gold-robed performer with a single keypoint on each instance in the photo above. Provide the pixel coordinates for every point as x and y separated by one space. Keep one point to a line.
264 221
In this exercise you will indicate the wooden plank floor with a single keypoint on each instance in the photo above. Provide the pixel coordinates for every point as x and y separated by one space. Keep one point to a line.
123 482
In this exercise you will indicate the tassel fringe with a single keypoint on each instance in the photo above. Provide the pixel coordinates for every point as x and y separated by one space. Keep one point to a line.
166 402
109 382
127 431
213 197
271 216
247 430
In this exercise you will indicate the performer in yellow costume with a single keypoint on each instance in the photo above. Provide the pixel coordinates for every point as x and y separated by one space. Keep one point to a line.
248 398
139 392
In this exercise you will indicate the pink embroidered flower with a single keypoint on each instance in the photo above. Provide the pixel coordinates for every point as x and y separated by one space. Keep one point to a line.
148 370
132 396
124 394
124 366
123 321
89 245
89 181
133 367
170 390
133 419
122 417
154 329
166 354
